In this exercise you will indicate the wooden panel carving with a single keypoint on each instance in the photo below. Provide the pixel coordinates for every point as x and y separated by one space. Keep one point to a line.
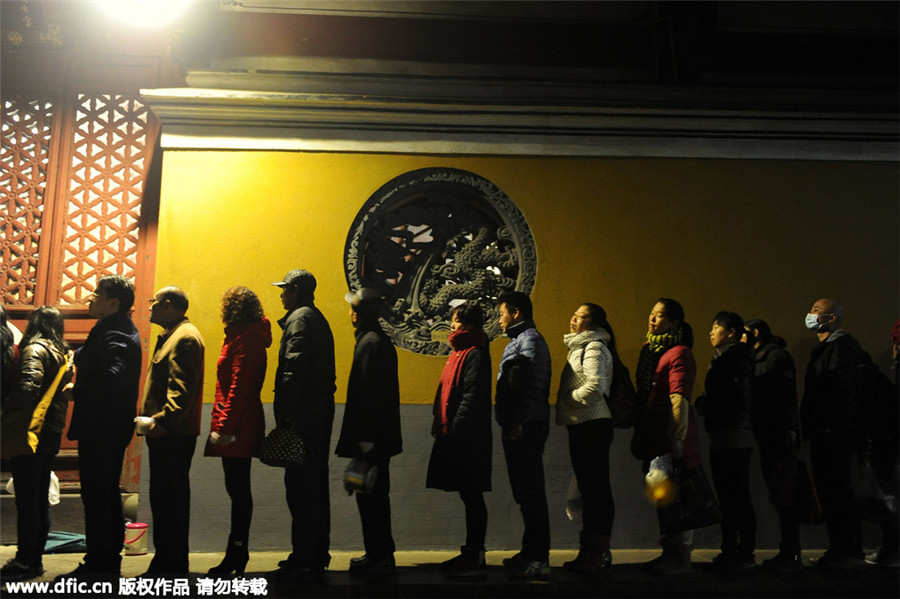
106 181
23 177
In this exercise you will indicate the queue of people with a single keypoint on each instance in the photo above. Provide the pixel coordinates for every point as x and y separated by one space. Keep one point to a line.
750 401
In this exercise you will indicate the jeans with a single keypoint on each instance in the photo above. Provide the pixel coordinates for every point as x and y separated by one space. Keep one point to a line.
525 466
31 479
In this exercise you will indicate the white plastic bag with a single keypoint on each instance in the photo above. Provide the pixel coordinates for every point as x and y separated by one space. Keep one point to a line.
52 495
574 502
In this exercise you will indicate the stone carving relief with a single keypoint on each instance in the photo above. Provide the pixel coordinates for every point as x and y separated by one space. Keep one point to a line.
432 238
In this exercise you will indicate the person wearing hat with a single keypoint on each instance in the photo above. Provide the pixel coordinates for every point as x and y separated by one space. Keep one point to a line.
304 401
371 427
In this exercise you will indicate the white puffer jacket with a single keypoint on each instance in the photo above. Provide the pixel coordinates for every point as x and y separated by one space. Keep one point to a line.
585 379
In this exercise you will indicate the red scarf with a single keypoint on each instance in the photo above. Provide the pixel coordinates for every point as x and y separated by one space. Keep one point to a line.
462 342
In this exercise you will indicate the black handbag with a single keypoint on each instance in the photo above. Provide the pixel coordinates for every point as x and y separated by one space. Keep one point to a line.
283 447
694 507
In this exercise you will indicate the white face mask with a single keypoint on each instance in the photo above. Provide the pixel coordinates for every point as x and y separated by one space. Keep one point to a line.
812 322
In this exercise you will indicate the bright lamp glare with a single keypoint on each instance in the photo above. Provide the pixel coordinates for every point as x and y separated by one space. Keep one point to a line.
144 13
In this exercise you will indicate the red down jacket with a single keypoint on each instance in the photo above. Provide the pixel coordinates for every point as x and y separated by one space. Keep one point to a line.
240 373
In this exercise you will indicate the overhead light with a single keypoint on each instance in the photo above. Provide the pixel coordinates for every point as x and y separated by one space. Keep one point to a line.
145 14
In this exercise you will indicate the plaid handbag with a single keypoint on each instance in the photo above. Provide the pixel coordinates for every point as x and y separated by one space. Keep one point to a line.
283 447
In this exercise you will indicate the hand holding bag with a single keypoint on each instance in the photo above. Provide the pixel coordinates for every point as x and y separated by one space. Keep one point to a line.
283 448
695 505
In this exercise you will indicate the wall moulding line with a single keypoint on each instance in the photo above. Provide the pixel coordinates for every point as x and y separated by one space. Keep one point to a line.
195 118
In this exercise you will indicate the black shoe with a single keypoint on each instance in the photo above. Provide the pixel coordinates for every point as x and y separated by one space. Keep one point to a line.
784 563
88 572
467 563
509 562
833 562
15 570
589 562
236 557
369 566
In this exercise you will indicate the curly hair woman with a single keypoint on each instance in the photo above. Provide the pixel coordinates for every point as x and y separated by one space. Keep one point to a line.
238 424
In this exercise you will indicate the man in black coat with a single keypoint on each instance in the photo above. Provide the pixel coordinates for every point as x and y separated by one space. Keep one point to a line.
371 427
105 402
304 401
831 421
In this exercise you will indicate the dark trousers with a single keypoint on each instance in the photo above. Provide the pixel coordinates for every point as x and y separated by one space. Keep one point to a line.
525 466
730 469
476 519
375 513
309 502
237 485
99 469
589 444
832 456
779 463
170 501
31 479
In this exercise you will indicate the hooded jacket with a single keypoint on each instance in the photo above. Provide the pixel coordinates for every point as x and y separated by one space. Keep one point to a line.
240 373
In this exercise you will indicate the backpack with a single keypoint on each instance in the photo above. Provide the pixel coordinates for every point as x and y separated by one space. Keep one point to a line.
622 400
876 415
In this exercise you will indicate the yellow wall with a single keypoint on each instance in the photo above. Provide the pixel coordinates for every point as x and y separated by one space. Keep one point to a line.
762 238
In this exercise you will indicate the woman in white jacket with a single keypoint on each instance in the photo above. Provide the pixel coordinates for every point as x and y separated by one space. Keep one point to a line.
581 406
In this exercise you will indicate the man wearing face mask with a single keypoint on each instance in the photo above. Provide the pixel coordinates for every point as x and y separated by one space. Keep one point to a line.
830 417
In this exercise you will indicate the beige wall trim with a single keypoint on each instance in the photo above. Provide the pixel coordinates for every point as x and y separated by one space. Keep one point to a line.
202 118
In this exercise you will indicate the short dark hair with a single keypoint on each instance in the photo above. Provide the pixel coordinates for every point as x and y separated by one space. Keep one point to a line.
765 332
469 314
369 311
176 296
729 321
517 300
117 287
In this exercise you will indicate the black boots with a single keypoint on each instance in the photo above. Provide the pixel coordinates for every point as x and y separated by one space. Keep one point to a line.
236 557
593 556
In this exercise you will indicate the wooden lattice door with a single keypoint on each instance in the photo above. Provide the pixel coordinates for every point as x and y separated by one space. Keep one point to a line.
75 172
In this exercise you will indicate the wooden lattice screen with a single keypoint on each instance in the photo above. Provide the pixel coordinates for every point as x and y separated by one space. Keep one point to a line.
24 158
73 172
73 203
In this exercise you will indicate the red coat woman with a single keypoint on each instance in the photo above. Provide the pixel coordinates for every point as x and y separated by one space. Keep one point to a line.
240 373
238 426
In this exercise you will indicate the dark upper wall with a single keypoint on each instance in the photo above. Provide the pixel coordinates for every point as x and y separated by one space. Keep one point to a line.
651 46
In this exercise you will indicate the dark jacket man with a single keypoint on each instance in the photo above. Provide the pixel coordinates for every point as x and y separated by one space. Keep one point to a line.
304 401
105 402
